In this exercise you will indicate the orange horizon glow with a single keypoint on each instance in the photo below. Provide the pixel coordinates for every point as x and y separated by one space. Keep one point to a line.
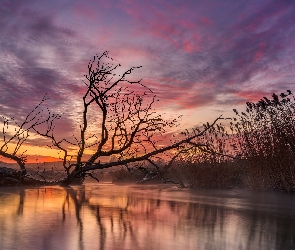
33 159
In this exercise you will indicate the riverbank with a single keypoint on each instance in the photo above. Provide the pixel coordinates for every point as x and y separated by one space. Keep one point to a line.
239 174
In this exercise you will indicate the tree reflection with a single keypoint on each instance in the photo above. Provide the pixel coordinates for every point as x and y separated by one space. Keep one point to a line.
213 220
20 208
86 218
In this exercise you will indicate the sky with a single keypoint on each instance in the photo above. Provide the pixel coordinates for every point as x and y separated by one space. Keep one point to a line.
201 58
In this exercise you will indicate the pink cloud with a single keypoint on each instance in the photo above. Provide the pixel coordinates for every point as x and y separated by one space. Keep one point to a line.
136 54
104 37
260 51
251 96
169 23
84 11
206 21
179 94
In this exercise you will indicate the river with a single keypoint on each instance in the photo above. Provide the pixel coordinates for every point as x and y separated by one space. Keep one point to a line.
108 216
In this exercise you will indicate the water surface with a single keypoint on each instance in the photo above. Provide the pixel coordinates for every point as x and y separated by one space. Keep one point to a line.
107 216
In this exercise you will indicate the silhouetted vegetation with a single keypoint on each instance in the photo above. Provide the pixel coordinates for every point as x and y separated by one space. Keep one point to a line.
117 122
256 150
262 141
266 142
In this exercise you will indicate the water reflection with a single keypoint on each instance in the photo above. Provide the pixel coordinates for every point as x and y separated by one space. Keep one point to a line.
106 216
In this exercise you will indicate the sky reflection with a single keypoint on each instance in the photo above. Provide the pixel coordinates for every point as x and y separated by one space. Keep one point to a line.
106 216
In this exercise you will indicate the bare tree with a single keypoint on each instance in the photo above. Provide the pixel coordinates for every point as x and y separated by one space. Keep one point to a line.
14 134
118 122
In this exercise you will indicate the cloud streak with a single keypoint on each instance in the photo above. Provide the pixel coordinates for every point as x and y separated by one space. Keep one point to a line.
195 54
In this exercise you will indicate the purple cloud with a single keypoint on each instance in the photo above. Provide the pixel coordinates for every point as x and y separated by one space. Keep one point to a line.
195 54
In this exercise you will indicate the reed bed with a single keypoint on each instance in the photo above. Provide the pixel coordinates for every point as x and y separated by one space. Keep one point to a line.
260 140
255 150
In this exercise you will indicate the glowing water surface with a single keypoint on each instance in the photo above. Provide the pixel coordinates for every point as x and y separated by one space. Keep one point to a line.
107 216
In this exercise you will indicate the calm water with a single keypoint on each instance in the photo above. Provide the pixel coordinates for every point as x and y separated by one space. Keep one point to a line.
107 216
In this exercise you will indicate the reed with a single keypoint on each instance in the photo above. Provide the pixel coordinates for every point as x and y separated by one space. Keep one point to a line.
266 136
256 150
262 143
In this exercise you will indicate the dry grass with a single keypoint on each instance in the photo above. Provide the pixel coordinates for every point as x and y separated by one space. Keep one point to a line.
262 140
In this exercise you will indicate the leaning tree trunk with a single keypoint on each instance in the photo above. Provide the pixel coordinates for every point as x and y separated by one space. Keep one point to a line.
74 178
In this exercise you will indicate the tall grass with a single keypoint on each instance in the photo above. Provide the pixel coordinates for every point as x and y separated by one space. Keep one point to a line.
256 150
262 142
266 142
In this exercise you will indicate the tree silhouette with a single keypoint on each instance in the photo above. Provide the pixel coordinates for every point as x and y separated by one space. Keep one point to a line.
118 121
15 134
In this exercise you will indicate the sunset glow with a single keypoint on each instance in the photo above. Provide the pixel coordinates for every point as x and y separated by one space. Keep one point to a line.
201 58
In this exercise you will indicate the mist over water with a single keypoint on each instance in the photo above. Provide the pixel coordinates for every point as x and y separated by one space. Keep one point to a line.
107 216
